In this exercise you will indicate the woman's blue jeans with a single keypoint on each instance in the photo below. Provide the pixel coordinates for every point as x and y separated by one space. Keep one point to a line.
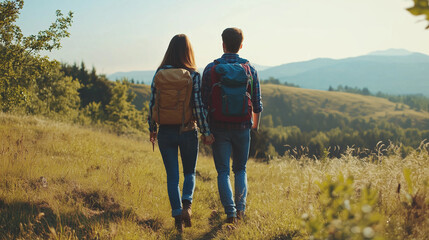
237 143
169 141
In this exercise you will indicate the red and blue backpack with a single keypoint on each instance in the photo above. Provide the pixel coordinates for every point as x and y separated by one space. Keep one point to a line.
232 87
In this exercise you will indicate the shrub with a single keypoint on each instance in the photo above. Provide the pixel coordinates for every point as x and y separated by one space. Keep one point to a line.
344 213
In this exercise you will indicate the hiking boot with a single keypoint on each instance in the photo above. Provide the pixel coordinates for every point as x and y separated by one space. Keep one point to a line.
232 220
178 223
186 213
240 215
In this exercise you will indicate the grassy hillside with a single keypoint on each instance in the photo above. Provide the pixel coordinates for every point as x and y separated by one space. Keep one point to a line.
142 94
62 181
341 103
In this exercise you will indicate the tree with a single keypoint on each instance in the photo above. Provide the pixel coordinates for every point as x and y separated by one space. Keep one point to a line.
122 114
95 112
421 7
366 92
271 80
56 95
21 65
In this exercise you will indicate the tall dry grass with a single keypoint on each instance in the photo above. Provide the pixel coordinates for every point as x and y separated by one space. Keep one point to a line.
60 181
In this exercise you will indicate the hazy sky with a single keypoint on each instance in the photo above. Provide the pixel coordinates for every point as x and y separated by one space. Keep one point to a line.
114 35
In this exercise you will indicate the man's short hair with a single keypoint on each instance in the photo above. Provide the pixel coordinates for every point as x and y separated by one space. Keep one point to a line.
232 38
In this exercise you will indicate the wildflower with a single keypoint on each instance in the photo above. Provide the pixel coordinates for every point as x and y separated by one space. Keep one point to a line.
347 204
366 208
368 232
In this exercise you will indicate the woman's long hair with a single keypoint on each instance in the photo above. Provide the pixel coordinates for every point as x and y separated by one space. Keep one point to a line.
179 53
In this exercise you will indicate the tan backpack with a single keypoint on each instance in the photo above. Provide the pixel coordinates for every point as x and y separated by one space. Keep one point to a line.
173 96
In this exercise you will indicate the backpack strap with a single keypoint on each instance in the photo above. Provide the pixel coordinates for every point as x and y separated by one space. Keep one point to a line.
212 77
246 66
159 99
213 73
182 127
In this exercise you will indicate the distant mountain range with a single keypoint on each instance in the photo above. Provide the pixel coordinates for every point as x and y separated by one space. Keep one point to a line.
394 71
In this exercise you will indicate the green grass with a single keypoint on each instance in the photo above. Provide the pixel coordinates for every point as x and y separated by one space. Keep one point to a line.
62 181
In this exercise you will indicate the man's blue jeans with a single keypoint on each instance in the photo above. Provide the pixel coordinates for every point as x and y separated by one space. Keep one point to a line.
237 143
169 141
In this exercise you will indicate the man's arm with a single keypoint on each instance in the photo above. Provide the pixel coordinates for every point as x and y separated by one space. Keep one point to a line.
205 95
256 121
256 99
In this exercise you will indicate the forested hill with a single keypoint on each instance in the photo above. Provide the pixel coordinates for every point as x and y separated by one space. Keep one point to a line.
290 106
307 108
295 117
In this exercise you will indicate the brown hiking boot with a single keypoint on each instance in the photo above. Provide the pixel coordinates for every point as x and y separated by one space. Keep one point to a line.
178 223
232 220
186 213
240 215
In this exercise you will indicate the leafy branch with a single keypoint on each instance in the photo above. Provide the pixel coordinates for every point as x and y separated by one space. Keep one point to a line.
421 7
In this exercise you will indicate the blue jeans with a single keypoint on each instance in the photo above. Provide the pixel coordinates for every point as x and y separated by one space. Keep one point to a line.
169 141
237 143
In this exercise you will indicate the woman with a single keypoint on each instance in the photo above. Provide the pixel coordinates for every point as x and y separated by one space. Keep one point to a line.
179 57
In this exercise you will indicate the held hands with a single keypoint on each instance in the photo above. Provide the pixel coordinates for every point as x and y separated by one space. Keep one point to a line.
255 127
256 121
208 140
153 137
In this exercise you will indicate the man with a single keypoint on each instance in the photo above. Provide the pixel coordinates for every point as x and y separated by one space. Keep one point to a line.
231 133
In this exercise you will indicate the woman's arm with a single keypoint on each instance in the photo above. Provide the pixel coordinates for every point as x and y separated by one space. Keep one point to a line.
200 113
151 122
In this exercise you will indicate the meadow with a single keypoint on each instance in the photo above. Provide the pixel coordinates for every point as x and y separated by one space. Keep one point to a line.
64 181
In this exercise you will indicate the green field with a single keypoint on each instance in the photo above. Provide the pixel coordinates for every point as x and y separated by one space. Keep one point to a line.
61 181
